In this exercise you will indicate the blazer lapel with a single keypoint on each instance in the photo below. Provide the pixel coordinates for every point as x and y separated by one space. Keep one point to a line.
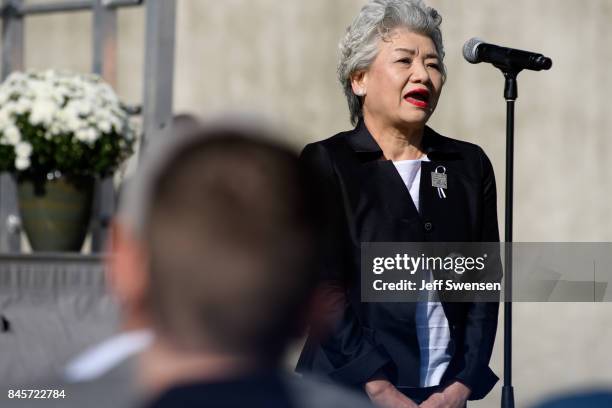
380 179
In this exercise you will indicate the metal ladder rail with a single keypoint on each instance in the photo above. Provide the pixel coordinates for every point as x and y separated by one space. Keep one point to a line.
157 95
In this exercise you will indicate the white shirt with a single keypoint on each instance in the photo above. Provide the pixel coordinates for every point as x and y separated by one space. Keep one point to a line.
432 327
102 357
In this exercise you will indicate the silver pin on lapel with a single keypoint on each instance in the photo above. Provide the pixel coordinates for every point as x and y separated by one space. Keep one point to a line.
439 180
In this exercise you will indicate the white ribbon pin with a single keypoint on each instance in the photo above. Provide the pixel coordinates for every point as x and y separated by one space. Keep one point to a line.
439 181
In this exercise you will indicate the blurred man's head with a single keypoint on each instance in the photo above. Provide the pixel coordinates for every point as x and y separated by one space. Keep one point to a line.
216 239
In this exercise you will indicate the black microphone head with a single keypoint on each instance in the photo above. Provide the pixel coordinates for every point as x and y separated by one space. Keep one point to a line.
470 50
544 62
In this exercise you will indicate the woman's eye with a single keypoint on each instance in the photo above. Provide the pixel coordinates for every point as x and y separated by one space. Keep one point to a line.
434 66
406 60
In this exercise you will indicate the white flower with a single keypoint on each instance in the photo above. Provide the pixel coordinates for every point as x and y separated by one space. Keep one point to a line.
81 107
12 135
42 90
87 135
54 130
10 108
43 111
22 163
75 123
5 119
22 106
23 149
69 119
4 96
117 123
81 135
92 135
105 126
17 78
85 108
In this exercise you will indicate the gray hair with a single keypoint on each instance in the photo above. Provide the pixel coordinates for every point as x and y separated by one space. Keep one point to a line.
359 47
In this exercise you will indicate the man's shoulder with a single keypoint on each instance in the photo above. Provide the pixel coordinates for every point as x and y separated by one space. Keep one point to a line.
311 392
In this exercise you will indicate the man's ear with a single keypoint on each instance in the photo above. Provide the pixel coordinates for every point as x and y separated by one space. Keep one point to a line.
126 266
359 82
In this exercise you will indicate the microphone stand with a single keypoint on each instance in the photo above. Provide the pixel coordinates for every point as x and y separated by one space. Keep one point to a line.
510 94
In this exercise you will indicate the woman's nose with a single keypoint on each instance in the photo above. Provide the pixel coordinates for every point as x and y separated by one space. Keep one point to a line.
419 72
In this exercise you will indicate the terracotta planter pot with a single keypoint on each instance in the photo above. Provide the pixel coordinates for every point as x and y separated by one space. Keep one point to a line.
55 213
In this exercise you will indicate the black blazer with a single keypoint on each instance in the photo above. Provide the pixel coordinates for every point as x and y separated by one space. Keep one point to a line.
369 202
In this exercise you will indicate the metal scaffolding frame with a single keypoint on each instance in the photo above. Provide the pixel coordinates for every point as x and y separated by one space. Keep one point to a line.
157 96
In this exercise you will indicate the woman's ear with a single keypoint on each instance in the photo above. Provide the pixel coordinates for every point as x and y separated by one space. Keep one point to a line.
359 83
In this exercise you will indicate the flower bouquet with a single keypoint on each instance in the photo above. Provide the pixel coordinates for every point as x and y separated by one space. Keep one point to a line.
58 132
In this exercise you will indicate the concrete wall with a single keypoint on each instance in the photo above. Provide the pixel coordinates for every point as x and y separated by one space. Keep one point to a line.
278 58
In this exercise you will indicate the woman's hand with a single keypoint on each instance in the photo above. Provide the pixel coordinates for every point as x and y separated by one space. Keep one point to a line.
384 395
454 396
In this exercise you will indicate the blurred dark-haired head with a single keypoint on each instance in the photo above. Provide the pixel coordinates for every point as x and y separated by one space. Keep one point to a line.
228 223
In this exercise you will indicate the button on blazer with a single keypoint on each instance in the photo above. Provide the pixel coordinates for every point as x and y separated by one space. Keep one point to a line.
368 201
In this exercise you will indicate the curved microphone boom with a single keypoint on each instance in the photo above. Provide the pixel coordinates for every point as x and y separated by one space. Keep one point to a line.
476 50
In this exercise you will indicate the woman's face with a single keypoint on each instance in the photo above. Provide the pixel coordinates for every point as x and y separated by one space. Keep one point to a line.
403 84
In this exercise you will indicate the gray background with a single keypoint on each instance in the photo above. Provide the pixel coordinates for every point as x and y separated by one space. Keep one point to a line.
278 58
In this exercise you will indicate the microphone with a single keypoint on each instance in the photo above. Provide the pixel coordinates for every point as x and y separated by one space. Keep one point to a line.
476 50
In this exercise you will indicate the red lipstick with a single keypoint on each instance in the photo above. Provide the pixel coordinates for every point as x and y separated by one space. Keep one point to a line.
418 97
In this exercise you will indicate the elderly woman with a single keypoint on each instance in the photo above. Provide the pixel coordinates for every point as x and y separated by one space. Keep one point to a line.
378 184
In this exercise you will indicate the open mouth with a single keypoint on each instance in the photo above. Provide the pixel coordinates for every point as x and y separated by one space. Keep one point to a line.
418 97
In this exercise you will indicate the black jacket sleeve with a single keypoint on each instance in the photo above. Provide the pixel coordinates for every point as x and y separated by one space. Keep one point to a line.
349 355
481 321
